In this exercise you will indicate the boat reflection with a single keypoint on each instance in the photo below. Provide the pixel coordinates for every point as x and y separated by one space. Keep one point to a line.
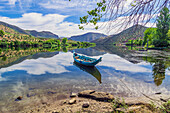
91 70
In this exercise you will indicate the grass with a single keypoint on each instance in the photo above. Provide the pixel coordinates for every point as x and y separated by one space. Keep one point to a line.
118 104
164 108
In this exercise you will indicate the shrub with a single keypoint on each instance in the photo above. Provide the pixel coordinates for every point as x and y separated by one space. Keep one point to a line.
160 43
2 33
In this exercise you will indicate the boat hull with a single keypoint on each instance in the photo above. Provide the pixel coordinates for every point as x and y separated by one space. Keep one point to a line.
85 62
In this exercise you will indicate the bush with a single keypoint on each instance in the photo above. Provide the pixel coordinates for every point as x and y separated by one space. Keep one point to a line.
160 43
2 33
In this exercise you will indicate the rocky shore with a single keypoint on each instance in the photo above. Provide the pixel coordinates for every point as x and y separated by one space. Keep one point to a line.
90 101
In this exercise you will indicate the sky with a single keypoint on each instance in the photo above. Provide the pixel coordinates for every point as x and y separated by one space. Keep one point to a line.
57 16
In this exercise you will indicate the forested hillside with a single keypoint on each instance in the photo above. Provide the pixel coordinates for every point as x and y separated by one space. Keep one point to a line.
130 33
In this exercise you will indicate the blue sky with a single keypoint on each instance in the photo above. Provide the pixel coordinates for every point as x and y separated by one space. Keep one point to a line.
58 16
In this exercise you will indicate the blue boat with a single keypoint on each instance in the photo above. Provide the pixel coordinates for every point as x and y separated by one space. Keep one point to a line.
87 61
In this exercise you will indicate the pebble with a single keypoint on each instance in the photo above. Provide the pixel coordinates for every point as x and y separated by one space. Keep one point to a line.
18 98
73 95
86 105
72 101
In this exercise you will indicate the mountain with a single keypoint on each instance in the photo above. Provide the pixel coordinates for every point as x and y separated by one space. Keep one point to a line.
130 33
45 34
89 52
122 52
88 37
13 29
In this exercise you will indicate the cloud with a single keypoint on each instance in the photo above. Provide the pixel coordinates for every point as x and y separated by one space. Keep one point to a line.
73 6
56 24
40 66
12 2
50 22
118 63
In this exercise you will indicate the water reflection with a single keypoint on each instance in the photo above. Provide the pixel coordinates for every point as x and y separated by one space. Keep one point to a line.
160 63
91 70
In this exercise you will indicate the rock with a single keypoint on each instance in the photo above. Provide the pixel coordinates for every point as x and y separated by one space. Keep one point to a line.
158 93
163 100
100 96
61 97
72 101
31 94
52 92
129 109
55 112
87 92
18 98
31 88
44 103
132 108
73 95
86 105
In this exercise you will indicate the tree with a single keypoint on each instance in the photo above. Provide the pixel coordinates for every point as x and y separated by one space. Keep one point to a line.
135 12
64 41
58 42
149 35
163 23
2 33
168 34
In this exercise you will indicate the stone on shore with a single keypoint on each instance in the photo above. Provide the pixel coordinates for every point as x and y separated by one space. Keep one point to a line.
85 105
73 95
18 98
72 101
99 96
129 109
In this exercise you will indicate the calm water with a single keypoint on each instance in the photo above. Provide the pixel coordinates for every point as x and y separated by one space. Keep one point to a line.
121 72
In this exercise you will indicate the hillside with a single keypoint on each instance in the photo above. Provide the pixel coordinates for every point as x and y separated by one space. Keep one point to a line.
130 33
45 34
88 37
14 30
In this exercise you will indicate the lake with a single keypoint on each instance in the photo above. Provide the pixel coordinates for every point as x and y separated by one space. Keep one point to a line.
122 72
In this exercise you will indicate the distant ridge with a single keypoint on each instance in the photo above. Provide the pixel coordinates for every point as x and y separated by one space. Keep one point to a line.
130 33
45 34
88 37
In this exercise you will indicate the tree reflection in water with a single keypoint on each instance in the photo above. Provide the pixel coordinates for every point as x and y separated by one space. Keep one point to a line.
160 62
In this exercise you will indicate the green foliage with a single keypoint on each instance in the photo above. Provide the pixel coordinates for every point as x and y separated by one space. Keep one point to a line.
2 33
149 35
94 15
164 108
64 49
163 23
64 41
4 58
157 37
118 104
58 42
160 43
168 34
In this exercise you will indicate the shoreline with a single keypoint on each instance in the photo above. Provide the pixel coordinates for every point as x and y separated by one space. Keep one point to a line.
87 101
